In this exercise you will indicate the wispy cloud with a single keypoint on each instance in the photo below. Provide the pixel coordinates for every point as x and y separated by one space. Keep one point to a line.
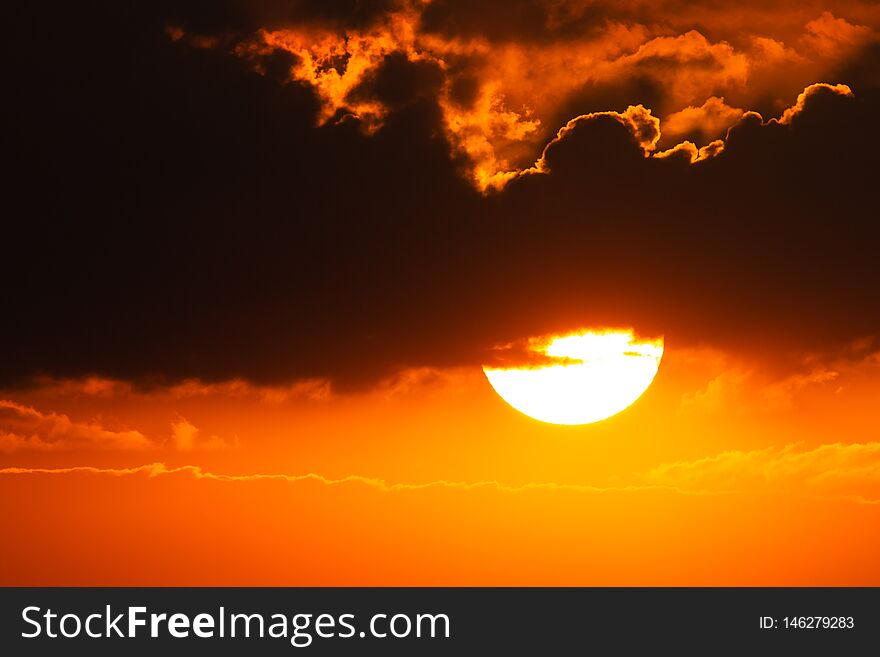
836 471
161 469
833 470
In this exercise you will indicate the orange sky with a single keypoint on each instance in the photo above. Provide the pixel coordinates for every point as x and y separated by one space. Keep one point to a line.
719 475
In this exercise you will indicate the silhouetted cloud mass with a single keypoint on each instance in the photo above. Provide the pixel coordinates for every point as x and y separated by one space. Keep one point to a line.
190 200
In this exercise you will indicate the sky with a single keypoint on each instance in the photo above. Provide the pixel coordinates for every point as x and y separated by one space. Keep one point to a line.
258 253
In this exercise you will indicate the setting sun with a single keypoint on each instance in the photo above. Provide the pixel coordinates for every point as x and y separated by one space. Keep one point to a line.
581 378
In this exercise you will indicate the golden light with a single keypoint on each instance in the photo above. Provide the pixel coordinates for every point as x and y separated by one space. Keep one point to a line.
579 378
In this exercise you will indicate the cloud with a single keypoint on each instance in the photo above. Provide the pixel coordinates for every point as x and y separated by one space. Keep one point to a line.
524 65
160 469
262 241
712 118
637 120
740 388
709 120
814 90
85 386
186 437
310 389
781 395
692 153
810 392
184 434
837 471
834 470
25 428
828 36
689 67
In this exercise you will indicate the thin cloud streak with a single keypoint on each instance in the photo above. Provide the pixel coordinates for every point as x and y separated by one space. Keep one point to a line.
833 471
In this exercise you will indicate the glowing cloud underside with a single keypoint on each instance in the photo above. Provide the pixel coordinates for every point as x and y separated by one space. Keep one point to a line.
598 374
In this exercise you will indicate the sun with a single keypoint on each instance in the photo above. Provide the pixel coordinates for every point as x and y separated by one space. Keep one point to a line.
578 378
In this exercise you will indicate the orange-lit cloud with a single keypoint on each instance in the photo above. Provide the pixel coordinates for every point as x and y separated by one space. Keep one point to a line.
186 437
712 118
803 98
24 427
843 471
161 469
504 86
709 120
840 470
644 127
828 37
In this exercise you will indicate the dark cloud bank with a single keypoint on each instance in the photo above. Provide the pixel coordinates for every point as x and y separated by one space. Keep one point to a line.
171 213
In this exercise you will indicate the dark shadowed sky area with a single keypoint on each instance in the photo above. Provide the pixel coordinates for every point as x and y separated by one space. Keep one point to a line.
189 194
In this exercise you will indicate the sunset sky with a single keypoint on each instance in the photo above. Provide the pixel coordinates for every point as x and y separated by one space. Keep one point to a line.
259 253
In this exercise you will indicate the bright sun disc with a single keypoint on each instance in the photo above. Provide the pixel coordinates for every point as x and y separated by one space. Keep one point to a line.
581 378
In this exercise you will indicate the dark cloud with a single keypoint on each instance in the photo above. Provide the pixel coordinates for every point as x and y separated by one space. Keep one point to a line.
495 20
553 20
397 81
765 246
173 213
243 16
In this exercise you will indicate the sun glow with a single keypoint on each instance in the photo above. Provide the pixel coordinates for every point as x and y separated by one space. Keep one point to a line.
579 378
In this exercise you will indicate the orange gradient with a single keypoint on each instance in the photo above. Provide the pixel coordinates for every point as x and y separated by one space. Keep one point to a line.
723 474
